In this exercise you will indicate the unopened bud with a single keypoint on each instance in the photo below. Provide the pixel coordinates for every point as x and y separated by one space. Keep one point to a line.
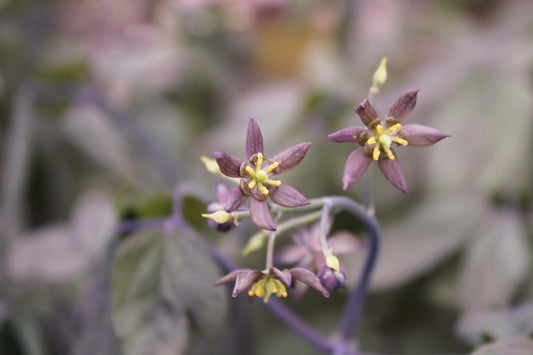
332 279
255 242
220 220
380 75
331 260
211 165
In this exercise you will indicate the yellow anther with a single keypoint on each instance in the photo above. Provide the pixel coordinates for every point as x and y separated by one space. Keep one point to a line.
389 153
263 189
258 289
251 185
271 167
399 140
396 127
259 161
273 182
379 129
375 153
371 140
278 288
250 171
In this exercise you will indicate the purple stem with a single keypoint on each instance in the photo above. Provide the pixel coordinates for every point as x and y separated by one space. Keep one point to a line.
352 309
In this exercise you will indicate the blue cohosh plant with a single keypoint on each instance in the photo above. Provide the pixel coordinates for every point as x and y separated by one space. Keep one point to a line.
277 208
314 254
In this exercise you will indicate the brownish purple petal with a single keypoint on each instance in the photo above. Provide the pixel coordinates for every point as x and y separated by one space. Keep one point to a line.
309 278
288 196
350 134
254 139
244 279
284 276
260 215
393 172
421 136
228 165
403 105
290 157
366 112
236 199
355 167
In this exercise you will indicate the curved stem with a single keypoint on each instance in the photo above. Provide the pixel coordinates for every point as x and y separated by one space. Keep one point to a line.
352 309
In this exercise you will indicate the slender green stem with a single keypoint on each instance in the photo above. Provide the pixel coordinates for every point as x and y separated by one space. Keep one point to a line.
270 250
323 227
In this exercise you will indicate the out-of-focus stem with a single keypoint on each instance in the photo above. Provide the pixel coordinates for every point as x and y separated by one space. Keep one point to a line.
323 226
270 250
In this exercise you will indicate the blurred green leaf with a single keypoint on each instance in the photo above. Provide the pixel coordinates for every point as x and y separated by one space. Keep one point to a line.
417 243
163 292
513 346
489 118
496 262
473 327
88 128
56 253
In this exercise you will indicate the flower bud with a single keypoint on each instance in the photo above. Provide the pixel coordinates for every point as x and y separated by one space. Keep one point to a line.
331 260
380 75
219 219
332 279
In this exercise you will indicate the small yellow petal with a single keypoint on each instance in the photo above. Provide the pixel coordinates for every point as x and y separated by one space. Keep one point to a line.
371 140
273 182
263 189
389 153
396 127
375 153
271 167
399 140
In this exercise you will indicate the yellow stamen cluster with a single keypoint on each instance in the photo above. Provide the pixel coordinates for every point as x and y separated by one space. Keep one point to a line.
268 286
259 176
383 139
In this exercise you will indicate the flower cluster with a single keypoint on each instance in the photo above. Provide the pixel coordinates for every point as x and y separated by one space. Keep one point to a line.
379 135
256 180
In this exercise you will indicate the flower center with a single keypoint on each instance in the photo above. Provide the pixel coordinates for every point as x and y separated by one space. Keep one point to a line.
268 286
383 140
259 177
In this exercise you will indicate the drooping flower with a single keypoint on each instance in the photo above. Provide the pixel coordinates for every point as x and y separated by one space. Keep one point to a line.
377 139
306 251
256 179
265 283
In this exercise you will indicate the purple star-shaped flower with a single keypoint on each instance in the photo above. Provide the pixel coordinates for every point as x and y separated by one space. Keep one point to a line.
379 135
256 180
